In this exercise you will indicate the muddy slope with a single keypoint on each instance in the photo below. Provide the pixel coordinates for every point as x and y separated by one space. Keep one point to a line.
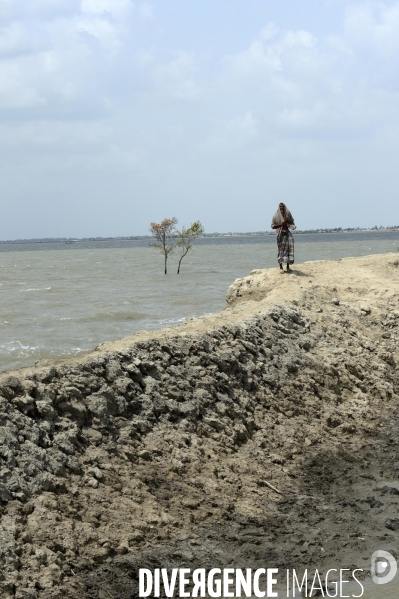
265 441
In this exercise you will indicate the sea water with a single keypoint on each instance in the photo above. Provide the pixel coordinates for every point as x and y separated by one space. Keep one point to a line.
67 298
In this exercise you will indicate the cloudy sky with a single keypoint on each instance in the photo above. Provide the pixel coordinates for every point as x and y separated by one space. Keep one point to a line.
115 113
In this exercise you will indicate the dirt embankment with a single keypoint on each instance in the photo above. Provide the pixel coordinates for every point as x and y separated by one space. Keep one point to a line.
259 437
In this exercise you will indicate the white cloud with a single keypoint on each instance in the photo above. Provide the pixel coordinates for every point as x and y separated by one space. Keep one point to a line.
57 56
305 85
45 134
305 119
146 12
270 50
268 32
374 27
38 9
102 30
145 58
16 91
176 78
243 125
234 135
98 7
18 39
99 88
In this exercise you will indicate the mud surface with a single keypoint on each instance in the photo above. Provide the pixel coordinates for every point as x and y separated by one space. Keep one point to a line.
270 440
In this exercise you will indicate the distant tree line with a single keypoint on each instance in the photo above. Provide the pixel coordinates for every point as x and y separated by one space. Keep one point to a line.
168 238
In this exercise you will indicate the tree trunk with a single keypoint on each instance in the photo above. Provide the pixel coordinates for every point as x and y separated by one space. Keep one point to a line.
164 250
181 258
178 268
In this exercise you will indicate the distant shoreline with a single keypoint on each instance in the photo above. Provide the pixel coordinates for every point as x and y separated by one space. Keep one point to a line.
70 240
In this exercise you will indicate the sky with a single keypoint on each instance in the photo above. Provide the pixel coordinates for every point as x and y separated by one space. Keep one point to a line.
115 113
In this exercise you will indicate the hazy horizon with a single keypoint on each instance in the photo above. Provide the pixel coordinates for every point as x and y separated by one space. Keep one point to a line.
205 234
116 113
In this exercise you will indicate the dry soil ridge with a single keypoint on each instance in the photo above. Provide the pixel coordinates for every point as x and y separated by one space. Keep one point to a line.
159 450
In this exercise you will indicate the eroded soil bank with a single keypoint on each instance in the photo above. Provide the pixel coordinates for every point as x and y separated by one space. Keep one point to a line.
264 436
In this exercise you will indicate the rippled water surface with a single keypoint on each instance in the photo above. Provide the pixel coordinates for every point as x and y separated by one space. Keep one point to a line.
66 299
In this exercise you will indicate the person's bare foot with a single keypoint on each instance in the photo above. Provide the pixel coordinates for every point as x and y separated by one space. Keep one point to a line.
288 268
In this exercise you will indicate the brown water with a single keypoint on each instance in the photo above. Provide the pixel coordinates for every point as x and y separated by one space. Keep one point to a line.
61 303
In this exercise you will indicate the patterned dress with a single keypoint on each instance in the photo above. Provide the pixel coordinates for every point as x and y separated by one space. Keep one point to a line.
285 246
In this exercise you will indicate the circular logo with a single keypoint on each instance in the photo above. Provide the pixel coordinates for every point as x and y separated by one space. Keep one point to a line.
383 567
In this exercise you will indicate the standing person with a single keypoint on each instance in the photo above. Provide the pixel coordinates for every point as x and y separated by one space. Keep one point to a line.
282 222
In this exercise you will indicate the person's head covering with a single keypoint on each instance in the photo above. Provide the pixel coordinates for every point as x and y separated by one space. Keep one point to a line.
278 216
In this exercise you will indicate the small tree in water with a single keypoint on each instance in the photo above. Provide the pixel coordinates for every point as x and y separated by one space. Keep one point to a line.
164 234
186 237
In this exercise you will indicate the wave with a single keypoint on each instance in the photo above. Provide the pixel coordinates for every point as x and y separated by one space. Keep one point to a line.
167 321
36 289
12 346
113 316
